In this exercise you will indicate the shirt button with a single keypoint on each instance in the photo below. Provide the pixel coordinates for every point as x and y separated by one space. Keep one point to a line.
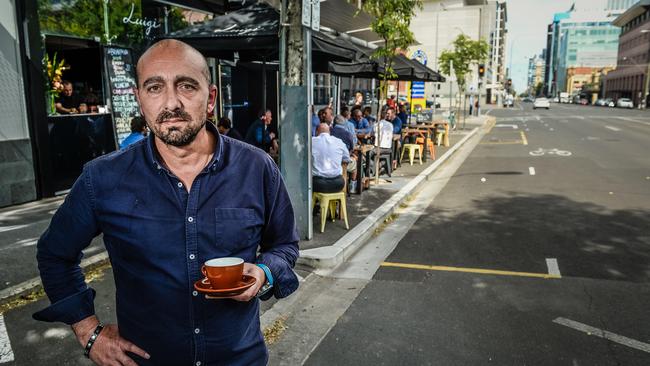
195 293
198 363
180 185
190 219
192 256
158 166
197 330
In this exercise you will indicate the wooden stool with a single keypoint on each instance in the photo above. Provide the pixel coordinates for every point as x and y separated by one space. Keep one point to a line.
328 202
412 148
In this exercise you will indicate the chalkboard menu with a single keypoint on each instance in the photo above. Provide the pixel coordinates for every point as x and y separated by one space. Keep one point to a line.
120 72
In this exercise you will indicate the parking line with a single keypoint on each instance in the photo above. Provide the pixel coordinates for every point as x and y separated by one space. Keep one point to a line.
612 128
553 268
469 270
531 170
524 140
6 353
632 343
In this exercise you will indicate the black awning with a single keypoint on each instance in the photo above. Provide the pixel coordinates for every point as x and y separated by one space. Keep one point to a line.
253 33
405 70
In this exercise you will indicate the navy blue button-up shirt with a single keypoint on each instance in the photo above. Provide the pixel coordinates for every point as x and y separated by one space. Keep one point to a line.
158 235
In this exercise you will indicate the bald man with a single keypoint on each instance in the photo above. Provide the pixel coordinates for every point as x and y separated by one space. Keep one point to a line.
328 154
166 205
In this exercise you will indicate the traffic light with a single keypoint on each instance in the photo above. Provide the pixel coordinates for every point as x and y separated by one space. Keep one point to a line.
481 70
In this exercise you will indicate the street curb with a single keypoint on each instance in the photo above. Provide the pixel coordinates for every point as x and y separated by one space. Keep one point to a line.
35 284
333 255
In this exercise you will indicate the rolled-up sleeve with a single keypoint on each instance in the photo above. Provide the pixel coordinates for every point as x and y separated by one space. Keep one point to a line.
279 248
59 253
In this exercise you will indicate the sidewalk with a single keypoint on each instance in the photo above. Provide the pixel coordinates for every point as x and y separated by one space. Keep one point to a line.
373 207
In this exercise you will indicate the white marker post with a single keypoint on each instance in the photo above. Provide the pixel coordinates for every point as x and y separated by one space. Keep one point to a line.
6 353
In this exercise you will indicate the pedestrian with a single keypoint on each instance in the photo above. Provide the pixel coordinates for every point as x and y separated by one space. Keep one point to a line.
259 134
138 132
164 207
225 128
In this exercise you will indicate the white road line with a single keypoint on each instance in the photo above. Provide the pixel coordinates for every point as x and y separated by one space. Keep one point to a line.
9 228
553 268
612 128
6 353
632 343
514 127
634 120
531 170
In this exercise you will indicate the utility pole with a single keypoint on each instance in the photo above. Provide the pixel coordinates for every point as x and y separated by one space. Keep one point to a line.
294 122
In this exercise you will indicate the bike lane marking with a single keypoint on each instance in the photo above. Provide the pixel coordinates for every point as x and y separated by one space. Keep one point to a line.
531 170
6 353
553 268
629 342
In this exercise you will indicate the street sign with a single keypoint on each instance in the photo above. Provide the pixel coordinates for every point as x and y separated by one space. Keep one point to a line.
311 14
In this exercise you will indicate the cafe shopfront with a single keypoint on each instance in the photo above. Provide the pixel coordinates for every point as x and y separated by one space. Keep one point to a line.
93 46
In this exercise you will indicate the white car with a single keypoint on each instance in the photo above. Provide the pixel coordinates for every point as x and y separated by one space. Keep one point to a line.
541 103
625 103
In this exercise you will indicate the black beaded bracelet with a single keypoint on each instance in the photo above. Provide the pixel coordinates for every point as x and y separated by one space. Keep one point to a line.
92 339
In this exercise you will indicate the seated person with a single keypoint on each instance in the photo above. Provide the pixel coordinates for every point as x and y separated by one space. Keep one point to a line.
225 128
315 121
138 132
83 108
345 112
326 116
339 131
396 122
258 133
68 101
361 125
328 152
367 114
402 114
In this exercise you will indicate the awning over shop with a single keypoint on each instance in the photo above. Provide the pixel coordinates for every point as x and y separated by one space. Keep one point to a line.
252 33
405 69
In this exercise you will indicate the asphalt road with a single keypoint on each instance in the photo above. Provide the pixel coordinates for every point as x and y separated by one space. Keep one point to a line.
563 192
20 228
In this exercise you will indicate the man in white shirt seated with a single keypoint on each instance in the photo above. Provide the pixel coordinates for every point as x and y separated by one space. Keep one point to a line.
385 141
328 152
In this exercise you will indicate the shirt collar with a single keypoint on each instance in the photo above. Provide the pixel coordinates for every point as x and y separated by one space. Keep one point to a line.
154 156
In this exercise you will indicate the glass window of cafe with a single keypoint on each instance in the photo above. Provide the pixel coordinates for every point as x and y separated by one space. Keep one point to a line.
85 118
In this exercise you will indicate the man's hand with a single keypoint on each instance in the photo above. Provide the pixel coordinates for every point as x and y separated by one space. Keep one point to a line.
109 348
271 135
260 279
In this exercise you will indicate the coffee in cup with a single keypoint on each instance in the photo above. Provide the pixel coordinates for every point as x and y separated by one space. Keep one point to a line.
224 272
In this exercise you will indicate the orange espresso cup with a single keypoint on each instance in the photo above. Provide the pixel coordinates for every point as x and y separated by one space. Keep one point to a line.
224 272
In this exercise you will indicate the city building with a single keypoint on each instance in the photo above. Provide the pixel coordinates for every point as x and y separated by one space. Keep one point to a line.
584 36
438 24
630 79
586 81
536 66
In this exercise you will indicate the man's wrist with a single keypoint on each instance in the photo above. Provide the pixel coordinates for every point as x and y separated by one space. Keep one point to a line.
84 329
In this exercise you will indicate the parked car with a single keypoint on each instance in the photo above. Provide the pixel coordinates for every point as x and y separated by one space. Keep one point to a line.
556 100
609 102
527 100
584 101
541 103
429 103
625 103
600 102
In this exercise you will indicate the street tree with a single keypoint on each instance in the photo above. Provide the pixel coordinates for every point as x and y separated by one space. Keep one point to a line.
391 22
466 52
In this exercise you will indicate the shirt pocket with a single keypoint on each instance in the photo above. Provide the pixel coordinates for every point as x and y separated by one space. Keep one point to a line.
236 228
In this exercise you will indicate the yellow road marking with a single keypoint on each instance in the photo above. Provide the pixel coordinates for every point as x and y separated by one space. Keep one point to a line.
470 270
524 140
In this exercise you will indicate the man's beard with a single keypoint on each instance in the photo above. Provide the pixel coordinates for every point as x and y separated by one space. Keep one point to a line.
177 136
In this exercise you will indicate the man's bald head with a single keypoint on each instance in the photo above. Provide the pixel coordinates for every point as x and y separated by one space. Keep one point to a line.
323 128
167 46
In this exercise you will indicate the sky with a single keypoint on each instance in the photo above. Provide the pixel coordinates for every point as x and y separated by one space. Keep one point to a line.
527 24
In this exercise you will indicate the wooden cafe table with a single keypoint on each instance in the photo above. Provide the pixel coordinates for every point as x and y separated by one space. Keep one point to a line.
364 152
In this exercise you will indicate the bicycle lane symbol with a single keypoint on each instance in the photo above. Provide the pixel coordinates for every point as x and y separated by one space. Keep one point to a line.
557 152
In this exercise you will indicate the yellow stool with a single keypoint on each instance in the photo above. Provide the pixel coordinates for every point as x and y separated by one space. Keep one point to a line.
329 201
412 148
439 136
